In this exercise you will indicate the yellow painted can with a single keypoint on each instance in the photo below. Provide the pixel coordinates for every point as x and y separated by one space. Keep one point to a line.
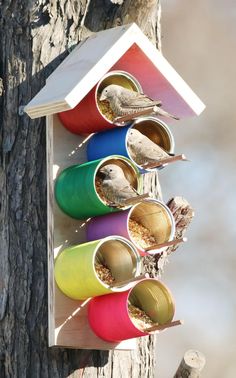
75 272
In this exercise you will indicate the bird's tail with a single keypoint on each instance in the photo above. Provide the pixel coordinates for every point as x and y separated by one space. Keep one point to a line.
162 112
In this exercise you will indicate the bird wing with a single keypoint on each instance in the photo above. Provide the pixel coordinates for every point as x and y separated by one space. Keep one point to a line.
154 152
128 189
139 100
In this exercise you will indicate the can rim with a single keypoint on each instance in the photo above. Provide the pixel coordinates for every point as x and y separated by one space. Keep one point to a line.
164 288
161 123
127 161
165 128
121 73
173 228
133 250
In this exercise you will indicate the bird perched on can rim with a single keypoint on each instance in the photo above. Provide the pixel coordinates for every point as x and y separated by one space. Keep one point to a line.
142 149
124 101
115 186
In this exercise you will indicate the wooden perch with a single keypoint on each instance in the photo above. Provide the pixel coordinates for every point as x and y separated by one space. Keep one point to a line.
191 365
166 244
126 282
168 160
130 117
134 200
160 327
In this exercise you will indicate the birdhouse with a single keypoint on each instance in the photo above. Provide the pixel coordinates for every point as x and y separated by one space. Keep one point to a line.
122 55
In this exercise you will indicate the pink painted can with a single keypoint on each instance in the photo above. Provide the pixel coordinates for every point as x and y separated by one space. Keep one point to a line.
109 316
152 214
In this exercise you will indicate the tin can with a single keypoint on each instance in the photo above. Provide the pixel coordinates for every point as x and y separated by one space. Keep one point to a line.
75 188
152 214
75 267
89 115
109 315
115 141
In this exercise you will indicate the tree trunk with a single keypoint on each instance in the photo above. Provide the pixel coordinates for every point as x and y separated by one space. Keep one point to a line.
35 37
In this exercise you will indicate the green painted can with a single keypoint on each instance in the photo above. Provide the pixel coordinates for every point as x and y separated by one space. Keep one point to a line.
75 189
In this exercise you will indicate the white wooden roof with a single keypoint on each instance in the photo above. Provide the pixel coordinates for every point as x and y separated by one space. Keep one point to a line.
90 60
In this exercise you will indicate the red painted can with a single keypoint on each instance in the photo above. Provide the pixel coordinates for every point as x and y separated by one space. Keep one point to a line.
109 317
87 117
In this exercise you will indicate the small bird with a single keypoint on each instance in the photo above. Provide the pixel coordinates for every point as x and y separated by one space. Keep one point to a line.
142 149
124 101
115 186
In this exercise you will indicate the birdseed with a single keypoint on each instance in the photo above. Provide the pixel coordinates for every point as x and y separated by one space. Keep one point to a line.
104 273
141 235
98 185
139 317
105 109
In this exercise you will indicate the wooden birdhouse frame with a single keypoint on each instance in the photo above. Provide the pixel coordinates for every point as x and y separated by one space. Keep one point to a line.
123 48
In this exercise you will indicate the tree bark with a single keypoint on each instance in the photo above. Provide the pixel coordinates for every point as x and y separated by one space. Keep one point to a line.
35 37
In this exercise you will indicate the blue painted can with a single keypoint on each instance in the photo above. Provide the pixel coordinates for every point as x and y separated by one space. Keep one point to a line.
102 144
114 141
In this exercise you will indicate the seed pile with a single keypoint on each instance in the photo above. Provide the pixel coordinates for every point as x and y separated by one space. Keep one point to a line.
139 317
105 109
140 234
104 273
98 185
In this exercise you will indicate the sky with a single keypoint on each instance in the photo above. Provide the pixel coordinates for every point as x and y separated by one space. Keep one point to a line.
199 41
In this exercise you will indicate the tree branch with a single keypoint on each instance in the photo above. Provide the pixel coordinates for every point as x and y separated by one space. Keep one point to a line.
191 365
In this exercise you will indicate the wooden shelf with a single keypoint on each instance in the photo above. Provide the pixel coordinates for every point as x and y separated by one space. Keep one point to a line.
68 324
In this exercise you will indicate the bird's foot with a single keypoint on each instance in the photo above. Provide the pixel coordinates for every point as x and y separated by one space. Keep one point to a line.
113 204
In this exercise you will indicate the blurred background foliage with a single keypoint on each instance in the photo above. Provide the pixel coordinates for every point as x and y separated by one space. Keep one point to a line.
199 40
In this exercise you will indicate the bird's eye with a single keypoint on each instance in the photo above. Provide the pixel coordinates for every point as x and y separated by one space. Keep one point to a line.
110 170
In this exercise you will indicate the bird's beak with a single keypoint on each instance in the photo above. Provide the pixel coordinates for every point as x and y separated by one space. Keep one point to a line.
103 97
102 172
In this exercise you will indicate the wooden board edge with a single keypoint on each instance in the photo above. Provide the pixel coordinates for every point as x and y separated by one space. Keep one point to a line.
46 110
50 228
56 336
